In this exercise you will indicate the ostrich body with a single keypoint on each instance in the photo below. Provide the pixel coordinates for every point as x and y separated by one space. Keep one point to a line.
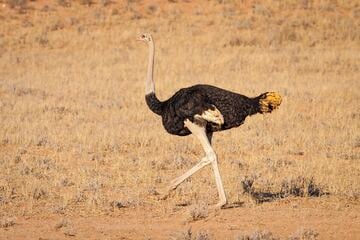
201 110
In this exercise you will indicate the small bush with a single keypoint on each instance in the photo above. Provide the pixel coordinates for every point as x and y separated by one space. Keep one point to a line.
66 226
105 3
17 3
7 222
189 235
304 234
117 204
64 3
63 223
198 211
184 235
301 187
203 235
86 2
247 184
39 193
257 235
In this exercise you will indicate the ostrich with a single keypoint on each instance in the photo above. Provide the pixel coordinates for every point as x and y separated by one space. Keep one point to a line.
201 110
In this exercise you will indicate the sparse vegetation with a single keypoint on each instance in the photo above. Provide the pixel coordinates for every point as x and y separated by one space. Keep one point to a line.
183 235
189 235
301 234
6 222
20 5
198 211
16 3
76 138
296 187
304 234
64 3
301 187
66 226
257 235
86 2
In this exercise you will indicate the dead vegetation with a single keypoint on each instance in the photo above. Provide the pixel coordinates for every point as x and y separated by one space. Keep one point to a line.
190 235
304 234
257 235
301 234
6 222
198 211
19 4
76 136
290 187
66 226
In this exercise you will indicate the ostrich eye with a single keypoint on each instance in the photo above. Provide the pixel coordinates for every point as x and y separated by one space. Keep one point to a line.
143 36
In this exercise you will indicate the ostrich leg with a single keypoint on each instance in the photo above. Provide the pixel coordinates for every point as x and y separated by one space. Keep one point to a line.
205 140
176 182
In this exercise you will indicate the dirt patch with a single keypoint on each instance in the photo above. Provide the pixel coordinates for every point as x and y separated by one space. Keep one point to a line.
282 219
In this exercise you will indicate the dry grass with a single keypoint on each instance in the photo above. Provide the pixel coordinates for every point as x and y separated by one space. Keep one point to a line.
190 235
76 135
198 211
66 226
6 222
301 234
304 234
257 235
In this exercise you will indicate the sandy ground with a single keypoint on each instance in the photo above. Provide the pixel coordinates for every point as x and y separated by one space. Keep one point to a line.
332 220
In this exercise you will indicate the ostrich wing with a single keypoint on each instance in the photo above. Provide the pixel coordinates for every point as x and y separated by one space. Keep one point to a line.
195 105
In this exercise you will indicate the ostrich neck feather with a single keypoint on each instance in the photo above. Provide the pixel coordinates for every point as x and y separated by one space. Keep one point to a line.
150 85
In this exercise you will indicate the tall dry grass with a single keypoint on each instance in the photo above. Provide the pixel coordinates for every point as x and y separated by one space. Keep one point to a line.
76 135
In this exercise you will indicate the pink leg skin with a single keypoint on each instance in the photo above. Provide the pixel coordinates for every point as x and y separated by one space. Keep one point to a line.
211 157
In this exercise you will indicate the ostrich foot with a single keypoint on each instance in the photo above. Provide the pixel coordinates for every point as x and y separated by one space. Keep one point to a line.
164 193
220 205
227 205
173 184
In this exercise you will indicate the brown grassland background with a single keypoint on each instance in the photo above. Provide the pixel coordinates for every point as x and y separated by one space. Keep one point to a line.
82 156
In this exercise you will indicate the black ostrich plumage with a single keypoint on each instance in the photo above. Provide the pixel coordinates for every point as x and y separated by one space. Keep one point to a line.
194 100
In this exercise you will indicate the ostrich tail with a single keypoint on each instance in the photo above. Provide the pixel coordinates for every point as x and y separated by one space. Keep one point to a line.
269 101
154 103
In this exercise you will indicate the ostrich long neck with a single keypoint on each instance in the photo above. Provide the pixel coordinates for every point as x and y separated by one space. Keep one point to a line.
150 85
151 100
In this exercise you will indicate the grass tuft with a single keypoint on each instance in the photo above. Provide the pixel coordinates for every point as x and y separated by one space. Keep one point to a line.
6 222
189 235
198 211
301 187
257 235
304 234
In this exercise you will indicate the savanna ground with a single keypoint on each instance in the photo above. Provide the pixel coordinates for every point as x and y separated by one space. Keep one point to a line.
82 156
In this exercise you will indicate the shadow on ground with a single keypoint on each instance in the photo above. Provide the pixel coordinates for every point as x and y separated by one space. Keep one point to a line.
296 187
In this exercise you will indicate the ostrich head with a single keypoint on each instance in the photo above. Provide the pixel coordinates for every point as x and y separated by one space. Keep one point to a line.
145 37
